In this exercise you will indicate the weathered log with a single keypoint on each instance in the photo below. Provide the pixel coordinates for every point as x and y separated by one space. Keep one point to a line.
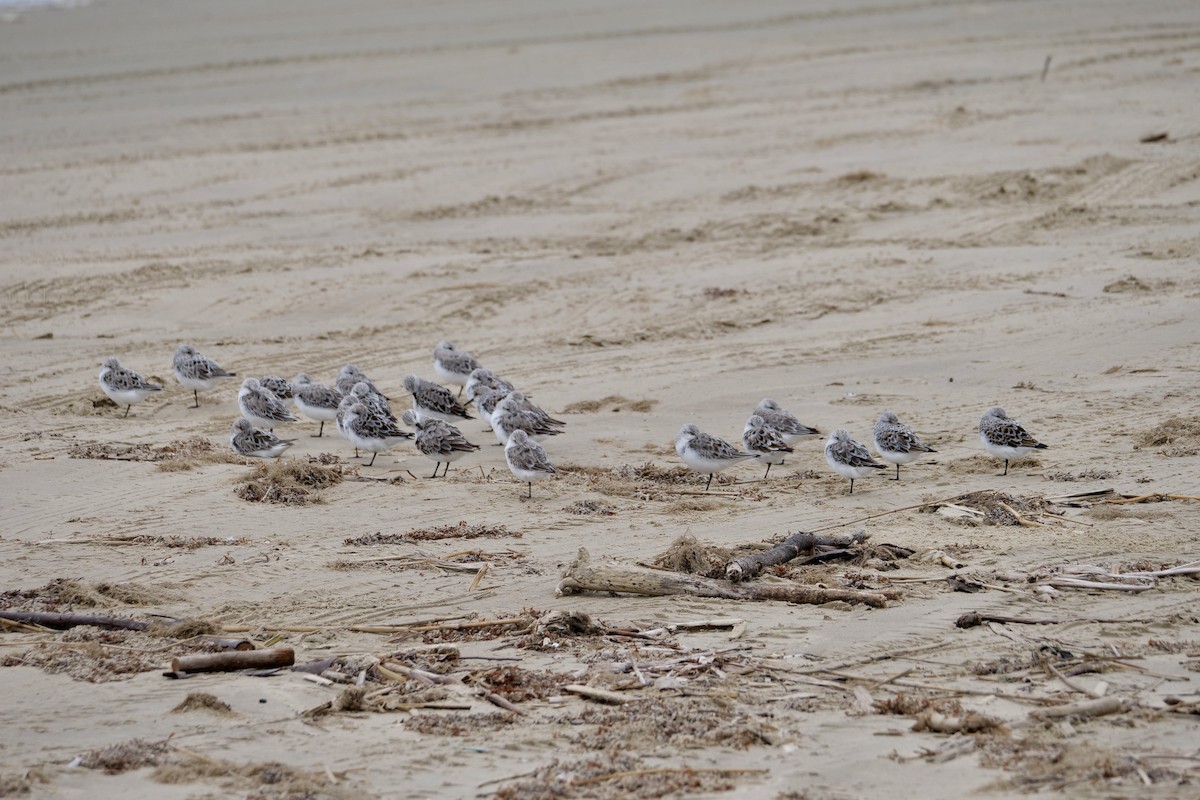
582 575
747 567
234 660
60 622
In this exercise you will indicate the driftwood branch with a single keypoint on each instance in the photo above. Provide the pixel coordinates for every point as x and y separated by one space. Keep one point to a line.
59 622
234 660
584 576
743 569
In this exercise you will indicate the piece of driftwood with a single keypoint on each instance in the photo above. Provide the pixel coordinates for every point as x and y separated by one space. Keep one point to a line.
225 642
747 567
592 693
1085 708
234 660
582 575
60 622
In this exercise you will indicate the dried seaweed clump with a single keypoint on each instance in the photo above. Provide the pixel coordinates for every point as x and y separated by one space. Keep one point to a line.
461 530
203 701
521 685
687 555
1176 437
97 655
605 776
459 724
680 723
288 483
68 592
182 454
258 781
124 756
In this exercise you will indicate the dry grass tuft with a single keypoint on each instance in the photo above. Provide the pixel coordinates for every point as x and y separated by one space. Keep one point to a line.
1175 437
613 402
124 756
203 701
288 483
591 508
179 455
66 592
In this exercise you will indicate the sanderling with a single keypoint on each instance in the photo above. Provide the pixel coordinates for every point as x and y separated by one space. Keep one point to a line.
486 402
350 375
788 426
1004 437
248 440
759 437
432 400
515 412
278 386
370 430
847 457
897 443
706 454
316 400
452 365
375 403
124 386
526 459
481 380
261 407
196 371
440 441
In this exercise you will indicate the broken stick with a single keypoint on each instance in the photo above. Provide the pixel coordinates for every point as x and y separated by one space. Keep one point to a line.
583 576
59 622
743 569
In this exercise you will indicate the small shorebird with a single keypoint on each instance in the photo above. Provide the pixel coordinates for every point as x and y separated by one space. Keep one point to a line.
433 400
452 365
438 441
124 386
788 426
261 407
1005 438
706 454
197 371
760 438
847 457
897 443
253 442
316 400
527 459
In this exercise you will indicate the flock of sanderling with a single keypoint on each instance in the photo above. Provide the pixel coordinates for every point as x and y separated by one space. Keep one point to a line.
363 416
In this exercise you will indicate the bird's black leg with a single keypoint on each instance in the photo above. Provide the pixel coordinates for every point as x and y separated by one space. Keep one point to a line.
851 486
126 414
372 461
710 476
321 430
1005 468
436 464
897 473
196 395
530 490
768 472
446 469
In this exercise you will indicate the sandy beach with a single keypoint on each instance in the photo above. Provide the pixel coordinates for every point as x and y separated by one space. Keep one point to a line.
643 215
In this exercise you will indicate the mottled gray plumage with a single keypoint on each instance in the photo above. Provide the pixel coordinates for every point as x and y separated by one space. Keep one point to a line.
316 400
262 407
1004 437
439 441
706 454
759 437
788 426
370 430
433 400
847 457
277 385
253 442
896 442
514 412
452 365
350 375
481 380
124 386
527 459
196 371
